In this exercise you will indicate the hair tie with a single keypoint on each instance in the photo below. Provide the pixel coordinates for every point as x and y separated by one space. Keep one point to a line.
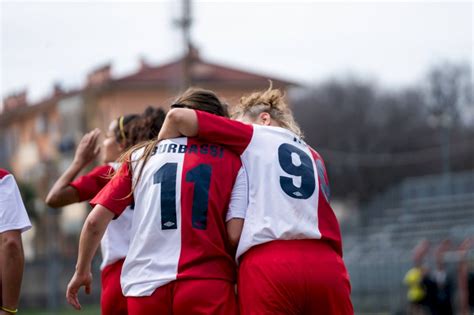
122 132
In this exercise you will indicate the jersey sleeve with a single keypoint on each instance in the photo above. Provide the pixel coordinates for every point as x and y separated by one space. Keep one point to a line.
90 184
116 195
239 198
235 135
13 215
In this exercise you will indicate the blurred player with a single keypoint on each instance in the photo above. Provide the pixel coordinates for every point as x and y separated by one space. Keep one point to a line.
465 279
290 249
443 281
122 134
13 221
180 259
416 278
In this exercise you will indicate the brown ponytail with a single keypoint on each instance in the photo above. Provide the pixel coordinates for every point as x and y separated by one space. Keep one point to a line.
122 132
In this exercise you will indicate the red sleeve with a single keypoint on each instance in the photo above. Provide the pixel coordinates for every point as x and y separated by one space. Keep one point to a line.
235 135
90 184
317 157
116 195
3 173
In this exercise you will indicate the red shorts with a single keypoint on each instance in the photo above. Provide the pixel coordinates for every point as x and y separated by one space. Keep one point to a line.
112 301
293 277
197 296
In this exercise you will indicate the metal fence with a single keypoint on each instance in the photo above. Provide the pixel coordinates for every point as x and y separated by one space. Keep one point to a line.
379 254
45 281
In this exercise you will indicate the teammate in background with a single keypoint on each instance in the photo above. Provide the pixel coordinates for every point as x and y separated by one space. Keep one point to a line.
180 258
13 221
122 134
67 189
415 280
290 249
443 281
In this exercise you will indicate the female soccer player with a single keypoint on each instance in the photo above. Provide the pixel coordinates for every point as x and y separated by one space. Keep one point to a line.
290 249
122 134
13 221
180 258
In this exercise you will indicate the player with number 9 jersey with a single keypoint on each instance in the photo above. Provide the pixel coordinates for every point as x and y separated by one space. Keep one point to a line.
290 249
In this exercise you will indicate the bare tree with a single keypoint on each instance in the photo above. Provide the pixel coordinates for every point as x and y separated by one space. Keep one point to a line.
372 137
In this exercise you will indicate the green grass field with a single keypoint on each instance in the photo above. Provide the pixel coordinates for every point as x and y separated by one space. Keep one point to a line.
87 310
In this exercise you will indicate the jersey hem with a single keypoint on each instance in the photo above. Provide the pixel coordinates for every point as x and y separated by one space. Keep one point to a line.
22 228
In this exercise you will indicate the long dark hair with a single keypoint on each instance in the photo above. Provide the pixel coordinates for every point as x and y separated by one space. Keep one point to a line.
147 126
203 100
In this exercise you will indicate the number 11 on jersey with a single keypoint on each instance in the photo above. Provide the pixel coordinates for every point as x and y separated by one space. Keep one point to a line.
201 177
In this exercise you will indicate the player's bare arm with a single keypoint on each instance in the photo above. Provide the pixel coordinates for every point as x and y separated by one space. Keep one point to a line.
11 272
62 194
179 122
234 230
91 234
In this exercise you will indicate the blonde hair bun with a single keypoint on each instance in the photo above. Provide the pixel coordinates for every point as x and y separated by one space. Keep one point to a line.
273 98
271 101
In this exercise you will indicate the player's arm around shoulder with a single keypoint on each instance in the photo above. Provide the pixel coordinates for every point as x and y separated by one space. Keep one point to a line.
179 122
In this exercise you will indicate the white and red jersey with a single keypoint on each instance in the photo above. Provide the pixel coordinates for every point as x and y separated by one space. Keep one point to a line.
13 215
288 184
116 239
182 200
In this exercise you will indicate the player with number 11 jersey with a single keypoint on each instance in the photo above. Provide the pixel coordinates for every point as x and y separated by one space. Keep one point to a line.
180 259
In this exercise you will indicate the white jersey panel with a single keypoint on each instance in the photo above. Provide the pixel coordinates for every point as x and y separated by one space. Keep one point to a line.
153 257
13 215
116 240
239 198
283 189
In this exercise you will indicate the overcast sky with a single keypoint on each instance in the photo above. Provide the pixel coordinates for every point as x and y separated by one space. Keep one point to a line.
306 41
